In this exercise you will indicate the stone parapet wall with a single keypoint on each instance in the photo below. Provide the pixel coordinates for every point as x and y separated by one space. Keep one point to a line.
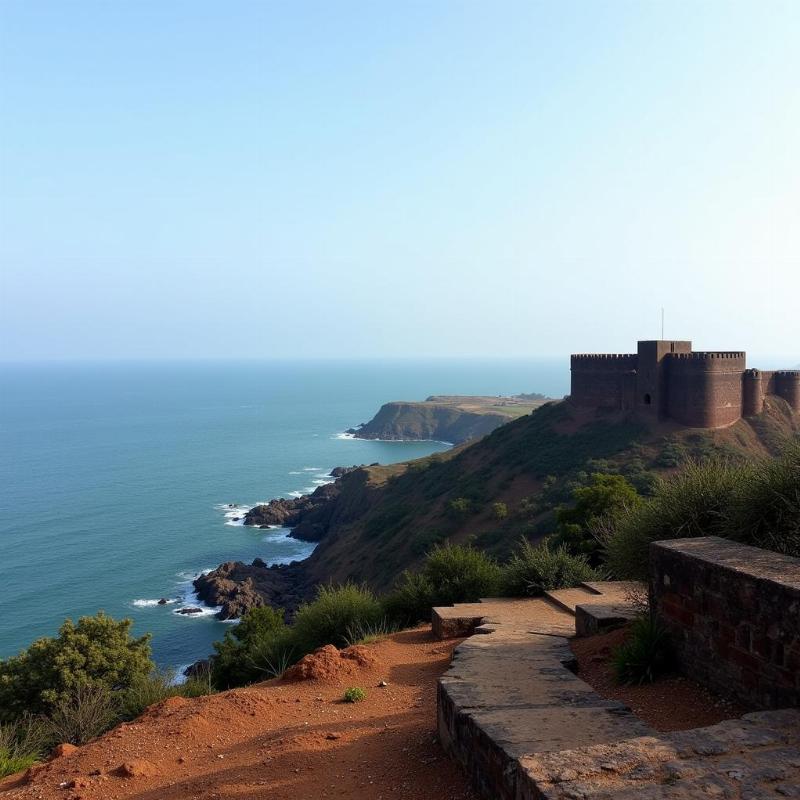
733 613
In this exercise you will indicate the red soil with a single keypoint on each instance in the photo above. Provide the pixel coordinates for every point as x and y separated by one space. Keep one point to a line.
670 704
282 740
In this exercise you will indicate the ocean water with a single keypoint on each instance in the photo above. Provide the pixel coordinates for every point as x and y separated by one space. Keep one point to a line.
116 479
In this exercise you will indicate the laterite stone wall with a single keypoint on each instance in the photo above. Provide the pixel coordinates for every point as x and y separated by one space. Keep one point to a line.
733 613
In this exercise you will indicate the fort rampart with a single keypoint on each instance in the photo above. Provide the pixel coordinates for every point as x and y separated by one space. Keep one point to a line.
733 615
667 380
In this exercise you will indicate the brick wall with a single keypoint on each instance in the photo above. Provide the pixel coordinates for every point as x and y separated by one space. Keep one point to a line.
733 613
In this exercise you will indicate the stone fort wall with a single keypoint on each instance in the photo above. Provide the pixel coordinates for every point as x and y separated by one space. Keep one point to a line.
667 380
733 615
705 389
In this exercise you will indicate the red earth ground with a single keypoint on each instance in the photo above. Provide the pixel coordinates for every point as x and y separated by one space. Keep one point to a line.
282 739
672 703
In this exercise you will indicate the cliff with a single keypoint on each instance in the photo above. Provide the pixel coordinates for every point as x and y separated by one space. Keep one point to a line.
451 419
384 519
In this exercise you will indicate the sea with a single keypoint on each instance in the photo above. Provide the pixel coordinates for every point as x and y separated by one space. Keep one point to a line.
121 482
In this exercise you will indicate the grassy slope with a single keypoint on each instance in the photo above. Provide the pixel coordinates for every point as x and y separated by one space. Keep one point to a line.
388 517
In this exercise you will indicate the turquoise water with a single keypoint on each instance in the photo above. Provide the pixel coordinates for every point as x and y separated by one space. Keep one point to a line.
115 479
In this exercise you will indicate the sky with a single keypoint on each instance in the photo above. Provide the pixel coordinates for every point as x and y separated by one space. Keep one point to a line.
195 179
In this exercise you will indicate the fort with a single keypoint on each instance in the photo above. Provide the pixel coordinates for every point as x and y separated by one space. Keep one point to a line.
667 380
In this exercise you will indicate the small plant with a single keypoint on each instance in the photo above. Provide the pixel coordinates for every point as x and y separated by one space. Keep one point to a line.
91 709
459 508
500 510
158 686
535 569
354 694
21 744
645 655
366 633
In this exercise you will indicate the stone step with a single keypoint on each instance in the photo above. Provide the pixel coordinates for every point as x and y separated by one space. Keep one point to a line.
533 614
568 599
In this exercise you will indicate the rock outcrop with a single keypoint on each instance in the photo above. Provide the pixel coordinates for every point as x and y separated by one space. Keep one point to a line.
308 516
237 587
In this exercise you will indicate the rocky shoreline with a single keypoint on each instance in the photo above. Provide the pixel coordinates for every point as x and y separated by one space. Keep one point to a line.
235 587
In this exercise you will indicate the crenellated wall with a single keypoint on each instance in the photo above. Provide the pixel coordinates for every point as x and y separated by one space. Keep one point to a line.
705 389
603 380
665 379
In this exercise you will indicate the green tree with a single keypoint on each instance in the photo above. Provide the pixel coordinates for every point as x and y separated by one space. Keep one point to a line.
98 651
606 497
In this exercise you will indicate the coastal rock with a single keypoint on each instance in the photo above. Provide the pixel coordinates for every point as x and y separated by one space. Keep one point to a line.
308 516
189 611
237 587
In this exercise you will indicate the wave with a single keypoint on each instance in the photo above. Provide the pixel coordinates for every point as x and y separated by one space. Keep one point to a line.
343 436
312 469
149 603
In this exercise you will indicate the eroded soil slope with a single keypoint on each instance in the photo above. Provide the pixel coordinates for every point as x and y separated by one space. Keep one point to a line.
282 740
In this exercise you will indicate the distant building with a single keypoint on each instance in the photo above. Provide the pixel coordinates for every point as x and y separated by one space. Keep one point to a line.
667 380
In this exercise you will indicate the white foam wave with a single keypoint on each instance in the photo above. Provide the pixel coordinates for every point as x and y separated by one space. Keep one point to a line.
343 436
295 494
148 603
312 469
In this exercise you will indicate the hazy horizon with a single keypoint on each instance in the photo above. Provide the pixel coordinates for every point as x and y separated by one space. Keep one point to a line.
191 181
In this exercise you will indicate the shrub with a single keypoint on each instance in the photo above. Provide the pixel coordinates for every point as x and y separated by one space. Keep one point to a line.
645 655
500 510
535 569
97 651
261 646
83 714
22 742
695 502
459 508
366 633
354 695
411 600
460 574
335 611
158 686
765 510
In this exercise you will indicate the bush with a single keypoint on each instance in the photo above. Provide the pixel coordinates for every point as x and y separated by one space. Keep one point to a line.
411 600
354 695
83 714
459 508
336 611
97 651
765 510
535 569
22 742
261 646
460 574
645 655
500 510
158 686
695 502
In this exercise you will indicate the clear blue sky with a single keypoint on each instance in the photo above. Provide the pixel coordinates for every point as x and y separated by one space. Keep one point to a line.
257 179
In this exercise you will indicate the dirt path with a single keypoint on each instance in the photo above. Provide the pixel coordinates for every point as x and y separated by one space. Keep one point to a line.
278 740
